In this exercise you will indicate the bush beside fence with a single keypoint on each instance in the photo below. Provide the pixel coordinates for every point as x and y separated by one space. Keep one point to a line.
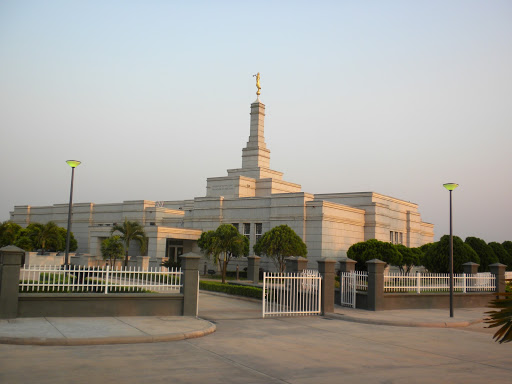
238 290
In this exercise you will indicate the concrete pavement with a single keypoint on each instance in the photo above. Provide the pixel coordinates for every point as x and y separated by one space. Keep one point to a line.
213 307
248 349
101 330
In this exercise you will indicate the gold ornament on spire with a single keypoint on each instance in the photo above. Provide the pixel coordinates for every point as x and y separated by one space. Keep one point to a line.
258 83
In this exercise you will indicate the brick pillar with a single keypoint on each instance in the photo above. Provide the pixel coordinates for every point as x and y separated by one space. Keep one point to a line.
375 284
326 270
190 281
347 265
296 264
253 269
10 263
498 270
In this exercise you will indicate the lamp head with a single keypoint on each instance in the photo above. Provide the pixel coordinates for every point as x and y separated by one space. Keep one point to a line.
73 163
450 186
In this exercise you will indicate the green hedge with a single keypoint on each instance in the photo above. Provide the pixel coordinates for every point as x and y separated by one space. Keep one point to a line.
238 290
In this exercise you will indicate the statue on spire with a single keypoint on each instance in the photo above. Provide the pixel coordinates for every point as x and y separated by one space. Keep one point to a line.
258 83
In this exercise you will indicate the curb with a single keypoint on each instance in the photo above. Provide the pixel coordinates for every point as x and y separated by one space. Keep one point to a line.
107 340
398 323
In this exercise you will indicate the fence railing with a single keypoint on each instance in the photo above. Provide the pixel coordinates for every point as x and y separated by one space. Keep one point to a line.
98 280
438 282
291 294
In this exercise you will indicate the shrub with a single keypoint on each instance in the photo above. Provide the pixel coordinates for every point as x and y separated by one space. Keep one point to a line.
238 290
503 255
485 253
437 257
374 249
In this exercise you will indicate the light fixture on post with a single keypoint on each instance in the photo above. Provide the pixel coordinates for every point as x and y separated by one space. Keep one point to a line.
450 187
73 164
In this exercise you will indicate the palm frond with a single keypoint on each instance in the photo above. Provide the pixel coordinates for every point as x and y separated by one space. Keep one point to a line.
501 318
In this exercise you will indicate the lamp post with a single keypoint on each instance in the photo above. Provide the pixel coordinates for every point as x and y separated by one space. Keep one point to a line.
73 164
450 187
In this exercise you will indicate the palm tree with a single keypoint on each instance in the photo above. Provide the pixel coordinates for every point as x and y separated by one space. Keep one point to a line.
45 234
501 318
131 230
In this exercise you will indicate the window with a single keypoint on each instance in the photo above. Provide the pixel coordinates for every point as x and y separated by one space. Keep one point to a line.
401 238
236 226
391 237
259 231
396 237
247 230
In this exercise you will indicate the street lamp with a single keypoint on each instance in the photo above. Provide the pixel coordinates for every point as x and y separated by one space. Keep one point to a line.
451 187
73 164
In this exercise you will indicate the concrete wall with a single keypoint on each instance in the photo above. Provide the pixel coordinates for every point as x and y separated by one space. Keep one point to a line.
90 304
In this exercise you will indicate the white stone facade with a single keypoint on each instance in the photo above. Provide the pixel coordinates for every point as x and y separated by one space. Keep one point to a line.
256 199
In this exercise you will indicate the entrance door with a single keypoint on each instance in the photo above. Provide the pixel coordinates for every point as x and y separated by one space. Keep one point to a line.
174 249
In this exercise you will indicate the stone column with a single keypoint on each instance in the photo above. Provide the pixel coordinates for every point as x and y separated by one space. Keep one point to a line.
296 264
326 270
347 265
498 270
143 262
375 284
253 269
10 263
190 281
470 268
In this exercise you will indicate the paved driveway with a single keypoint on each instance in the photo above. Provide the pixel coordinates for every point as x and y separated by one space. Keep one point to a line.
248 349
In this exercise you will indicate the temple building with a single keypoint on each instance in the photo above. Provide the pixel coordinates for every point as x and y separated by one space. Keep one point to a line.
254 198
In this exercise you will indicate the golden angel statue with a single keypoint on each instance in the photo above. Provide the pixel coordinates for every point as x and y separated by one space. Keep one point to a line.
258 83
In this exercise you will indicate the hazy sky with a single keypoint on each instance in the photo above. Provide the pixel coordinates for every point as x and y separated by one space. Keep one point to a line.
396 97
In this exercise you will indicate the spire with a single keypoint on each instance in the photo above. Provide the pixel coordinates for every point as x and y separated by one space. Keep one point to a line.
256 154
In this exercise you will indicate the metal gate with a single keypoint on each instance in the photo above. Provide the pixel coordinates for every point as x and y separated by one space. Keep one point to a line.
291 294
348 289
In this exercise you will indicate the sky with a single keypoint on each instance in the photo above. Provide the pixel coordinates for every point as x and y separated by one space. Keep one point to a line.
395 97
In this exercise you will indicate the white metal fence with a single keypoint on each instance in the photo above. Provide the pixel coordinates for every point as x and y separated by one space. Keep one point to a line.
291 294
98 280
350 283
438 282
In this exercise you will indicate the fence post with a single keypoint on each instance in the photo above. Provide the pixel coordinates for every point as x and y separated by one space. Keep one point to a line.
470 268
296 264
253 269
106 280
10 263
418 282
375 284
498 270
326 270
347 265
190 290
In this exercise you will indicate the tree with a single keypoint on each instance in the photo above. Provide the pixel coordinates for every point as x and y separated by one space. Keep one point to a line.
24 243
112 248
278 244
437 257
502 318
374 249
410 257
223 244
131 231
503 255
485 253
9 232
508 247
